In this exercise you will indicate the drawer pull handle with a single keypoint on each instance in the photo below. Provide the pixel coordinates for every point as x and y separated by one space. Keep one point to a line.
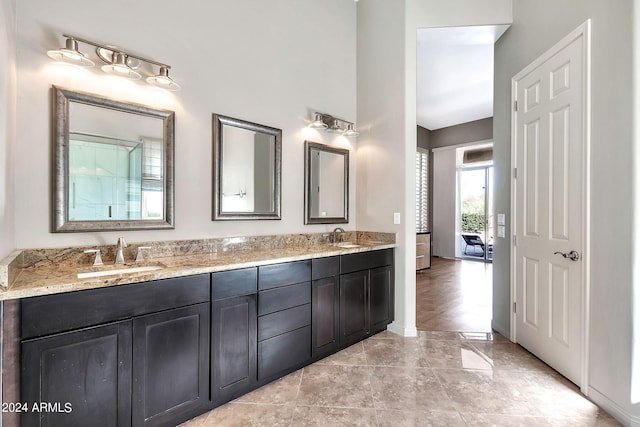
420 256
420 244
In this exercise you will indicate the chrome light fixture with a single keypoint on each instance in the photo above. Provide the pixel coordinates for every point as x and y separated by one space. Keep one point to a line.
333 125
350 132
119 67
163 80
70 54
117 62
317 123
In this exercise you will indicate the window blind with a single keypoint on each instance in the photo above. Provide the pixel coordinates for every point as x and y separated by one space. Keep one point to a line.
422 191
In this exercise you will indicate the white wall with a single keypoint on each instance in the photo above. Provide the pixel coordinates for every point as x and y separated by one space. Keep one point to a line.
536 27
7 125
444 202
387 118
386 163
254 60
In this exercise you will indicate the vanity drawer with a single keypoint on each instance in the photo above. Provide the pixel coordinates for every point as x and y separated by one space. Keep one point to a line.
325 267
64 312
271 276
234 283
283 298
365 260
284 352
283 321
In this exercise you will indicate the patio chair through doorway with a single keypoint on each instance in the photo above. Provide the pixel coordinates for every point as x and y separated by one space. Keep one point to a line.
473 241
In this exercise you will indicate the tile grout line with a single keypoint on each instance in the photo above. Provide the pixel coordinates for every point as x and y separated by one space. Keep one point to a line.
369 369
455 405
295 405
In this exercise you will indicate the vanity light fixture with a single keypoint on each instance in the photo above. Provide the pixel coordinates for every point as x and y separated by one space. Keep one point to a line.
117 62
119 67
70 54
317 123
163 80
333 125
350 132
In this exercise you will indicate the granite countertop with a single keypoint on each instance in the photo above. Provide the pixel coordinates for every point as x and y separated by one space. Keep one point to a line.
56 278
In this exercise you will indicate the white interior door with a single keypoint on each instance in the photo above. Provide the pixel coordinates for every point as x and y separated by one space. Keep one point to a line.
550 144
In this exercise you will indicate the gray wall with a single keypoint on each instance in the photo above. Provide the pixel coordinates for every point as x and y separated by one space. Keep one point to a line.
537 26
477 130
423 138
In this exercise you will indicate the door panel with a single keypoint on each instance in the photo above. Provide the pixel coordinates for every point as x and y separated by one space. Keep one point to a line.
170 365
90 370
381 298
354 306
233 347
549 220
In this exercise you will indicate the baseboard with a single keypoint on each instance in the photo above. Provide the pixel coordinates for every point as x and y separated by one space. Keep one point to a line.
613 409
502 331
401 330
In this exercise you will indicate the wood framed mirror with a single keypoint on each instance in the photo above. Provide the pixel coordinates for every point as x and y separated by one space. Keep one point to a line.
113 164
246 170
326 184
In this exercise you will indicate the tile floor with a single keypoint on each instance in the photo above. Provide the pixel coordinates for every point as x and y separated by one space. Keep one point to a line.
436 379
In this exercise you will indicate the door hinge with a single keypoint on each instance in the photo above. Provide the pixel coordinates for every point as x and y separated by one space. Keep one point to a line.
515 105
514 307
515 173
515 241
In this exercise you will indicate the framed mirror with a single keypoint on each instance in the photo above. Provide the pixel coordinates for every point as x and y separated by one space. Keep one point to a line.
113 164
326 184
246 170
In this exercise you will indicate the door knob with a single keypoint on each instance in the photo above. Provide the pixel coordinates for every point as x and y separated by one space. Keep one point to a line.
573 255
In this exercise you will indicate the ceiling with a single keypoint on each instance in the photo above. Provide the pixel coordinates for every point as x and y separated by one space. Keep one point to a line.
455 74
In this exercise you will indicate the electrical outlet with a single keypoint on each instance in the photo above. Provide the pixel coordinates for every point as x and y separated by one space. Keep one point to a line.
396 218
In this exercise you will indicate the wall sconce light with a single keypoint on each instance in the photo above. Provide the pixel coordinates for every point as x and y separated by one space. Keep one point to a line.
117 62
333 125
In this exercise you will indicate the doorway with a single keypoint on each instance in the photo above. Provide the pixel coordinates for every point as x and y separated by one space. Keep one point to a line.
476 212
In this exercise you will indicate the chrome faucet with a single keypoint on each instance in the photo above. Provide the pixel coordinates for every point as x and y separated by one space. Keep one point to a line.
335 235
119 247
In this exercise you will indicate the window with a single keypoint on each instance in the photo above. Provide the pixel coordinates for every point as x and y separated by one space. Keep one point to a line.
422 190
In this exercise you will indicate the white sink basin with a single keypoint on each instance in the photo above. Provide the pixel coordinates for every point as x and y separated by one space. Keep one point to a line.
347 245
116 271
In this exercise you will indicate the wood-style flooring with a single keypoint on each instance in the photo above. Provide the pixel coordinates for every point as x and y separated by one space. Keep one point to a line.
454 295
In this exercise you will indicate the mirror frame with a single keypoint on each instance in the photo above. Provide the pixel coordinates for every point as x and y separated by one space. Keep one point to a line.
60 197
218 215
308 219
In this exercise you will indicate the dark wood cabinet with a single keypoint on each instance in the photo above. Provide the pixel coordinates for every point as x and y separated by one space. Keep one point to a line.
381 298
354 306
234 334
366 294
170 365
284 318
159 353
145 364
234 347
87 373
325 324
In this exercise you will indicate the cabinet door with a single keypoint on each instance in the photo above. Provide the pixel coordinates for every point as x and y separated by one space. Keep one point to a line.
325 316
170 365
381 298
233 347
354 306
86 373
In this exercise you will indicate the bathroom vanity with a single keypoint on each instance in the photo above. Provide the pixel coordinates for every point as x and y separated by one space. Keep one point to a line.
159 351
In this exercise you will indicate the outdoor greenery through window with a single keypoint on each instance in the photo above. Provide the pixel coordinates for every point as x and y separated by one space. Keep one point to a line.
422 191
